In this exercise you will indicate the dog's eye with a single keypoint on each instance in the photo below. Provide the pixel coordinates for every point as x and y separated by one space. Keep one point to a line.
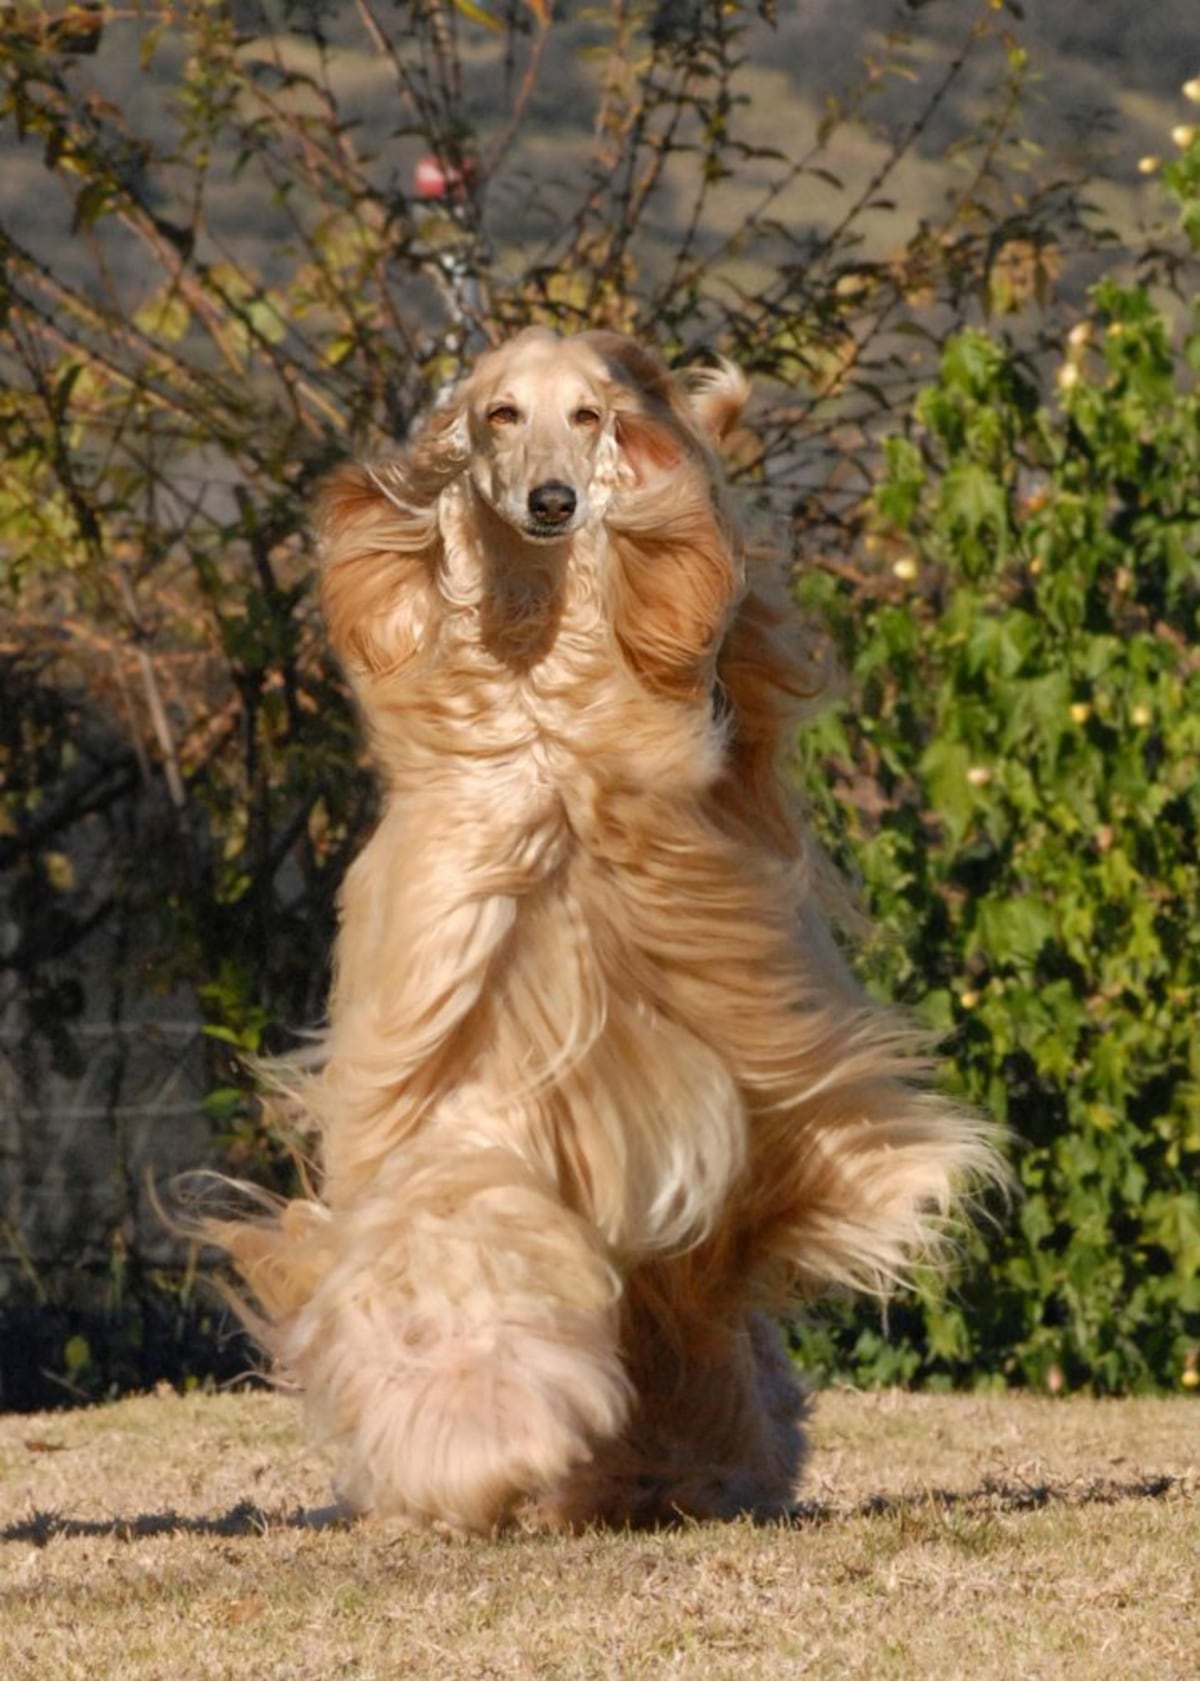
503 414
585 416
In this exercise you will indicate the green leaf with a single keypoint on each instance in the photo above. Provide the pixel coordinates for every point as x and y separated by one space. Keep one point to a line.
944 766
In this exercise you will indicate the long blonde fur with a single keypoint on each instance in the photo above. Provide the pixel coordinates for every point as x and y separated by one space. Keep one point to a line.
598 1094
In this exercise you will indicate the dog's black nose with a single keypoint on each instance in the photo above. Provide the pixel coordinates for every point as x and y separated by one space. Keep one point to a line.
552 503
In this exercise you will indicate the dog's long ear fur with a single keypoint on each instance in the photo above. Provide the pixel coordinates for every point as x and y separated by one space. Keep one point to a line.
678 567
717 397
766 687
378 536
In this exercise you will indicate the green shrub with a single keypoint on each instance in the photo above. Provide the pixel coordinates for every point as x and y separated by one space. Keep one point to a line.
1026 716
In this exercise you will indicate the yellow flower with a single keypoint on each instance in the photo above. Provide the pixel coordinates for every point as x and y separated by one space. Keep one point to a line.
1184 134
60 872
1191 90
978 776
905 568
1148 165
968 999
1140 715
1080 712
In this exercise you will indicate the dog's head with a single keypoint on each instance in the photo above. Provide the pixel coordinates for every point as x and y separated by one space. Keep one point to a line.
549 427
556 437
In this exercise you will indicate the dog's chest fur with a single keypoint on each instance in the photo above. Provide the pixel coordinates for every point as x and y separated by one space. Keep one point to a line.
539 716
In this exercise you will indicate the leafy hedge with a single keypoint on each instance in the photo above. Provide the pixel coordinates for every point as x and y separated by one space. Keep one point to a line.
1026 675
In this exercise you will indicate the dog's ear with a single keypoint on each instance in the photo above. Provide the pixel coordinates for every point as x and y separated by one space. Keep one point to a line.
377 530
648 444
675 582
673 414
651 425
678 566
717 396
441 448
633 365
379 541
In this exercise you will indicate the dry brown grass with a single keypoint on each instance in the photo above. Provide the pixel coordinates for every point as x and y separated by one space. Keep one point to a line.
943 1537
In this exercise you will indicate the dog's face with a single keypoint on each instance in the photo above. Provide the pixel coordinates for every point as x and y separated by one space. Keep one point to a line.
592 435
540 425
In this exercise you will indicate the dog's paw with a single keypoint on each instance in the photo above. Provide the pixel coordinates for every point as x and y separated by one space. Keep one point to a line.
471 1422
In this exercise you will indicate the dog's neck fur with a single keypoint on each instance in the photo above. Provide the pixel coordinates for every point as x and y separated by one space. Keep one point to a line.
514 586
521 637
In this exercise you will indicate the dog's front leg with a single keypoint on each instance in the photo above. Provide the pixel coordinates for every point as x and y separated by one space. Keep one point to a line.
461 1352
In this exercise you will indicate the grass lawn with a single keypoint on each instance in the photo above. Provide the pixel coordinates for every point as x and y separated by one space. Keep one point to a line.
165 1539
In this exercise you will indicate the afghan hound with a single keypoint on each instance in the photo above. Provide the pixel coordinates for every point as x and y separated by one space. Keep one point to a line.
598 1096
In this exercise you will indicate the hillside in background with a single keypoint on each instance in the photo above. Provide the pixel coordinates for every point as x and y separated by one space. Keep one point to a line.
1105 92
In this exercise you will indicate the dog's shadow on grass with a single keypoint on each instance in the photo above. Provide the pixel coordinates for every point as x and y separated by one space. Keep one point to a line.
990 1498
40 1528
